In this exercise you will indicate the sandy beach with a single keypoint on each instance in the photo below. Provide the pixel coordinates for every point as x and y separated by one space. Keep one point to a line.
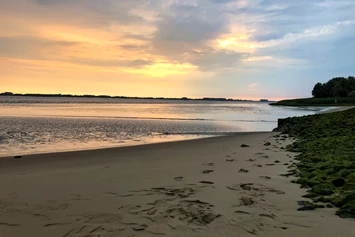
204 187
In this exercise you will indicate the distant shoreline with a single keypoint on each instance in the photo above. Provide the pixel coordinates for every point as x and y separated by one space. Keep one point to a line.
127 97
326 102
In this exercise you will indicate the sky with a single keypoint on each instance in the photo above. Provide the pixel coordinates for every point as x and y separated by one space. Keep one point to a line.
248 49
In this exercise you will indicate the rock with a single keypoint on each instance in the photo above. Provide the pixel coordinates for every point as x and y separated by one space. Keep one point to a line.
17 157
348 210
344 199
244 145
306 206
323 189
243 171
277 161
267 144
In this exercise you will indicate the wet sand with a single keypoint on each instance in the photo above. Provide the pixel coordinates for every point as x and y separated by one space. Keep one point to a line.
205 187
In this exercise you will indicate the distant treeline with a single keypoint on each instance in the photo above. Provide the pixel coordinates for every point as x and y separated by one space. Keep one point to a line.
116 97
338 91
336 87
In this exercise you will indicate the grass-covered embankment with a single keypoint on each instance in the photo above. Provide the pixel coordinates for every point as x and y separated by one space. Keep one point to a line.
326 167
342 101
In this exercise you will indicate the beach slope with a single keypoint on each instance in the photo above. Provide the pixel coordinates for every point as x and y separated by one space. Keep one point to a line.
221 186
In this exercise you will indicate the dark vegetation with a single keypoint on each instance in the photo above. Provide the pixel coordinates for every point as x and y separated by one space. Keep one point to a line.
326 146
336 87
337 91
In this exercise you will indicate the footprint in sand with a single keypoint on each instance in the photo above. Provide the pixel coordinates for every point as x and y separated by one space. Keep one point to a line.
207 171
93 230
250 160
242 212
272 216
246 201
208 164
230 160
254 187
206 182
179 178
243 171
77 197
265 177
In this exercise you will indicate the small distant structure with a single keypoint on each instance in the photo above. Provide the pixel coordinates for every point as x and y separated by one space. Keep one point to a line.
264 100
214 99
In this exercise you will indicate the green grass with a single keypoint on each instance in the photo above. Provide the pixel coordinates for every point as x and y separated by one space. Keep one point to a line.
326 143
343 101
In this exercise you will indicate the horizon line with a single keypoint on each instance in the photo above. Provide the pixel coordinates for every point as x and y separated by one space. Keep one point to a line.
128 97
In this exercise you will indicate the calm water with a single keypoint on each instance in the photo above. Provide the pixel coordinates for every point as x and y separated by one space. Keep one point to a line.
36 125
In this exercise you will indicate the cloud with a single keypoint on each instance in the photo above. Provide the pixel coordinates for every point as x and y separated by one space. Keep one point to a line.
30 47
215 60
186 27
257 58
205 42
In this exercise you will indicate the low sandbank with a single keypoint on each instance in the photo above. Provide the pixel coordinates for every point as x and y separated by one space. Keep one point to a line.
204 187
336 109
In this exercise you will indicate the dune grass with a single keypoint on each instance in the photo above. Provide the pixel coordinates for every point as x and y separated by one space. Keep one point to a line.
326 143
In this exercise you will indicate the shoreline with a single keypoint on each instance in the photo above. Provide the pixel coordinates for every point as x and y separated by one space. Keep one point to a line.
336 109
198 137
182 139
203 187
131 147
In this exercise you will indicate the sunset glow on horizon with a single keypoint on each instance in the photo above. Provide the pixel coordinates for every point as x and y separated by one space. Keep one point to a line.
174 48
